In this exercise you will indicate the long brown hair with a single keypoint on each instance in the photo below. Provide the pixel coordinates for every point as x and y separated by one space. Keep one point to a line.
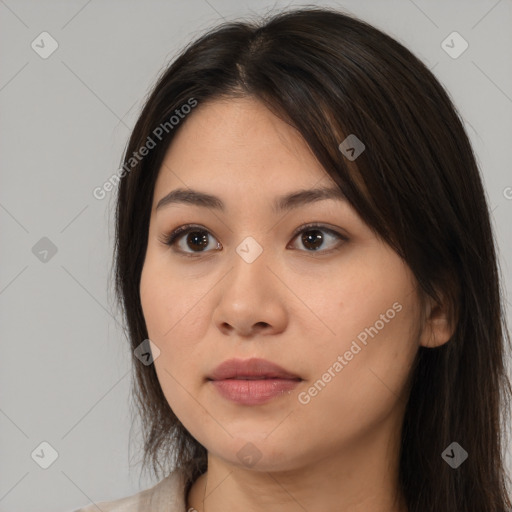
417 185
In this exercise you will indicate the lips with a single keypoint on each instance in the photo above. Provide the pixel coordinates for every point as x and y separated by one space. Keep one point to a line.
250 369
252 381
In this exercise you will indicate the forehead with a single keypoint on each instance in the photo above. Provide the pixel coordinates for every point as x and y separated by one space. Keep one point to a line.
241 145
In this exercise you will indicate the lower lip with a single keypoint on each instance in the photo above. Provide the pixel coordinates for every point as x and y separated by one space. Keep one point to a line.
253 392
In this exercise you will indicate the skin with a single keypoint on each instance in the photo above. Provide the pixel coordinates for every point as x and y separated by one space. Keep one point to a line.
294 306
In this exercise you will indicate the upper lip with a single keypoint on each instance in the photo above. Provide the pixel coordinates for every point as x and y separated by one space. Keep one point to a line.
254 367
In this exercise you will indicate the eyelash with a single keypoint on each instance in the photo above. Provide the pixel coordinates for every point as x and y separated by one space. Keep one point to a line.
173 237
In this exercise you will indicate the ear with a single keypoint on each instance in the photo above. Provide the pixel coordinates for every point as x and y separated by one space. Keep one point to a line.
437 329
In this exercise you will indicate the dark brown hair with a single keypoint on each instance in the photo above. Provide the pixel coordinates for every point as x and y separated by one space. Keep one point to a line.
417 186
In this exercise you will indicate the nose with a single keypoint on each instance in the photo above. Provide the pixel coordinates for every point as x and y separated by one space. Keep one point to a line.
251 298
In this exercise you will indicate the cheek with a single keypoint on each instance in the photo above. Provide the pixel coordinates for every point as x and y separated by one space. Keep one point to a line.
176 313
173 313
370 316
356 394
341 303
169 304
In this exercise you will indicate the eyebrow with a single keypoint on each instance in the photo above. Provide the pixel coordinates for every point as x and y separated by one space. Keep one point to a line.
281 204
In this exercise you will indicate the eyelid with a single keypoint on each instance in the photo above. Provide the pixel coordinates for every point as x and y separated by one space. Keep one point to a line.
321 227
173 237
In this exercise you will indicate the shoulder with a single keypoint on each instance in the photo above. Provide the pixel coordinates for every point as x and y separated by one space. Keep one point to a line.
168 495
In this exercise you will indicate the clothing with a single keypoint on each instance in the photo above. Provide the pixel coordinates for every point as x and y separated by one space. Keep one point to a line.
168 495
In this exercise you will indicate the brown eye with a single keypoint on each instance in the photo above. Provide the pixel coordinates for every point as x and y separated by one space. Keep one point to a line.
318 238
312 239
195 241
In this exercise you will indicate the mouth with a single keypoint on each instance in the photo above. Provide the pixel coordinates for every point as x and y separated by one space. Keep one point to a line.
253 381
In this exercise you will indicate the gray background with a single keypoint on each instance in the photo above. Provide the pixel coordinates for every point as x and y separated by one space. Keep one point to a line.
65 367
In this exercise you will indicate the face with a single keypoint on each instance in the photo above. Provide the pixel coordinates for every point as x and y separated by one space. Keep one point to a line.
331 304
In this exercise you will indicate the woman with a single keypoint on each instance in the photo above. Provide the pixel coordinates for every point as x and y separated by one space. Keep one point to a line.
303 235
